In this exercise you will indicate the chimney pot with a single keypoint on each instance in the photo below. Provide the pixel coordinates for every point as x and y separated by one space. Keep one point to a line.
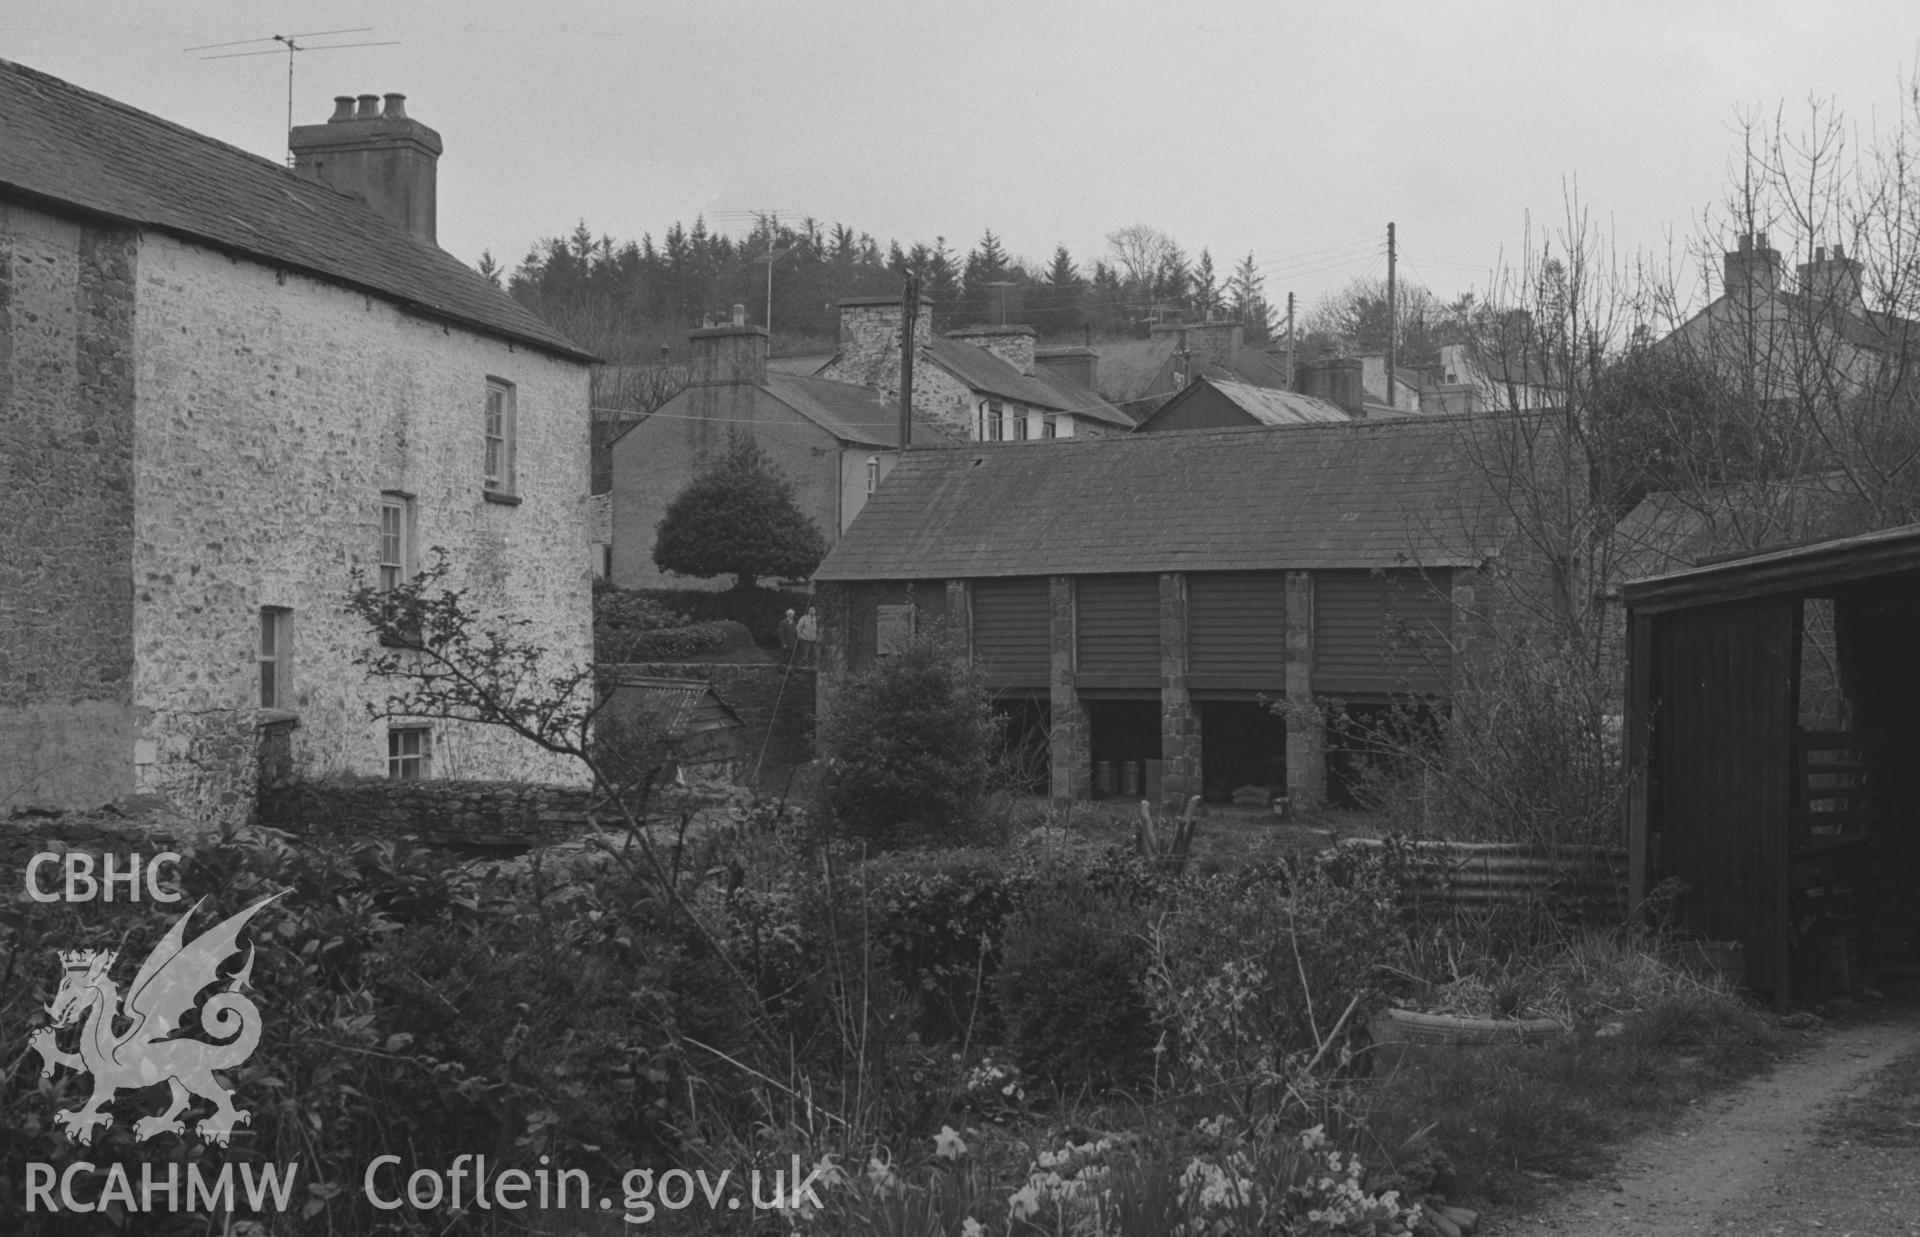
389 165
1819 253
1746 242
739 315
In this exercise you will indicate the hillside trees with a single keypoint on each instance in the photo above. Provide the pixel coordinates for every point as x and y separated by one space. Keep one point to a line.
633 301
1247 303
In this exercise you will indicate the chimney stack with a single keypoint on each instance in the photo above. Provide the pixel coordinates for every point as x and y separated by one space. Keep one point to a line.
1077 363
870 343
1753 269
1338 380
1012 344
379 155
1207 344
729 365
1832 278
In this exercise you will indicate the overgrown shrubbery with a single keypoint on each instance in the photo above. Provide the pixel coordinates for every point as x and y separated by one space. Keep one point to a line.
1069 988
1256 978
907 747
1527 750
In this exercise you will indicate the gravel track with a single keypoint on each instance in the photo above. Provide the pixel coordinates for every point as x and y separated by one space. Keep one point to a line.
1756 1161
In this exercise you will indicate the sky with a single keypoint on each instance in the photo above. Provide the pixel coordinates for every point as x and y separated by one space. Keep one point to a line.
1290 132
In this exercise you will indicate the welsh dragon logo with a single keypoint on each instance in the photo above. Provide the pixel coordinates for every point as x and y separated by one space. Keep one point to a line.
147 1053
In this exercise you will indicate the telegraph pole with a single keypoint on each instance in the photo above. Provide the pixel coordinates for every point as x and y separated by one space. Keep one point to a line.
909 318
1292 361
1393 318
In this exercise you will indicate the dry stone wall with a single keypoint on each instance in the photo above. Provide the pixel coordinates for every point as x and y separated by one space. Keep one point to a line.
447 812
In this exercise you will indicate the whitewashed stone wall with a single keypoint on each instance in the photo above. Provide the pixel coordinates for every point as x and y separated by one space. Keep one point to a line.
272 412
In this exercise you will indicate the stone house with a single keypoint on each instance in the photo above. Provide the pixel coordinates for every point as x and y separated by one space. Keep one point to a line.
980 384
1139 602
1814 342
835 441
231 389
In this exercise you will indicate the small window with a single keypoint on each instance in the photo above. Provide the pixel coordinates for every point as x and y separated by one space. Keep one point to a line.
873 472
1021 430
396 541
1049 426
409 752
993 426
499 437
276 657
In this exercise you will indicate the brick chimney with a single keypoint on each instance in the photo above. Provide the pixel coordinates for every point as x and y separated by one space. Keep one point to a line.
870 342
1831 278
1752 269
377 153
1012 344
1073 362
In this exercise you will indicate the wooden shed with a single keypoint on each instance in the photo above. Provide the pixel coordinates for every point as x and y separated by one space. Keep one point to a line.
1774 756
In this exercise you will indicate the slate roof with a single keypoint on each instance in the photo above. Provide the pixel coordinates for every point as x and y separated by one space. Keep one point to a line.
983 371
805 366
1299 497
1266 405
1128 367
850 413
72 148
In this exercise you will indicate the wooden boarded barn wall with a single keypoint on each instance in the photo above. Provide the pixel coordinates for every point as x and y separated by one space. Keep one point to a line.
1010 630
1382 632
1117 631
1237 631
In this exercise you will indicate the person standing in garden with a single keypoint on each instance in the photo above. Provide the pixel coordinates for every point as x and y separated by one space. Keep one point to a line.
809 632
789 637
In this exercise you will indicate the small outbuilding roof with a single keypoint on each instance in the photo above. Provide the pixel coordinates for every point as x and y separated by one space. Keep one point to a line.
1266 405
1797 569
1361 495
72 148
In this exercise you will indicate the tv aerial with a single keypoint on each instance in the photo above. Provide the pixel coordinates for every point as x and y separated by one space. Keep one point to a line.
291 46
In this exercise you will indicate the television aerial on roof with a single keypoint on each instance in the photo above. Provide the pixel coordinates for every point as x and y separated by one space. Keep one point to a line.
291 46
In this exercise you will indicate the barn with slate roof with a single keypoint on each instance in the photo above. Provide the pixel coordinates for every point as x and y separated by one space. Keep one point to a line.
1146 598
231 388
